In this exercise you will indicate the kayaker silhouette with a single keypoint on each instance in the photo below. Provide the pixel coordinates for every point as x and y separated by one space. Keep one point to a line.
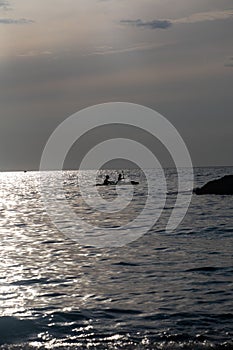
119 177
106 180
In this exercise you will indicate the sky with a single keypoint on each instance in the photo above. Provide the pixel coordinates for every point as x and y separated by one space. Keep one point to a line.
58 57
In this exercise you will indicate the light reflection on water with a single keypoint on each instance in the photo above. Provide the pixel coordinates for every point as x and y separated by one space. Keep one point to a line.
178 283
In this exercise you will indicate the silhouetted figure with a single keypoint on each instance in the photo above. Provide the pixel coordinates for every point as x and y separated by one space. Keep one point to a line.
119 177
106 180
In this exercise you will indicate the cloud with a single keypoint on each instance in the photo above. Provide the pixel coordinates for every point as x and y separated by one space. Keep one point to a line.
109 50
35 53
154 24
5 5
229 62
205 16
15 21
166 23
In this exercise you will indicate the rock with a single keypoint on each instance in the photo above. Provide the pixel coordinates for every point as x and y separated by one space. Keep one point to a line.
219 186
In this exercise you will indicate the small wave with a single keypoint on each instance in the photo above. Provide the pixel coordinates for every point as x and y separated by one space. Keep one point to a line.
205 269
169 193
118 341
14 330
40 281
116 311
124 263
73 330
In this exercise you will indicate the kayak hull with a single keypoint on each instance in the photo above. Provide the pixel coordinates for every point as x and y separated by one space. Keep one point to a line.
121 183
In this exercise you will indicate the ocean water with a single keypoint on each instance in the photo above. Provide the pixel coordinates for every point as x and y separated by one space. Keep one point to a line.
161 291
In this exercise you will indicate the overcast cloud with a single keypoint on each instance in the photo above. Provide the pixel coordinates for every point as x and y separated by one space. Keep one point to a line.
15 21
194 18
155 24
4 5
174 58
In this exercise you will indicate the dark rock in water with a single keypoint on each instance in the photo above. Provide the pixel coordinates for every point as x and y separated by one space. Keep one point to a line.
219 186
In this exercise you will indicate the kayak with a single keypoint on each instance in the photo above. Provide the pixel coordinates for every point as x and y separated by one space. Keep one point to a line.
120 183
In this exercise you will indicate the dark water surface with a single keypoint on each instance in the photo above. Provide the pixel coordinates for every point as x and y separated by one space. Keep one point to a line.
162 291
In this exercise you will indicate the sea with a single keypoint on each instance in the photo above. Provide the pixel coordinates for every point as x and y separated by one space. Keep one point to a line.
162 290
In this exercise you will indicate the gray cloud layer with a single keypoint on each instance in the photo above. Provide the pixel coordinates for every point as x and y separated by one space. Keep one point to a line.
6 6
155 24
4 3
229 63
194 18
47 77
15 21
